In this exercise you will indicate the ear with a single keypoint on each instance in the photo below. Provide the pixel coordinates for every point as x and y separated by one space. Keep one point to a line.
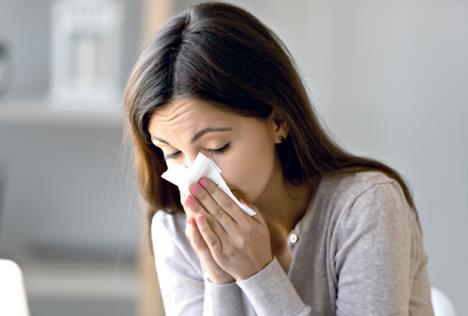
280 128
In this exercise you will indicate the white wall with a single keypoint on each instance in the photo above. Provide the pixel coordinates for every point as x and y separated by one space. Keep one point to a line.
389 79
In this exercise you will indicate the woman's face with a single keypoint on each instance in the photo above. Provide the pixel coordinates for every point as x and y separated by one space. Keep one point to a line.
243 147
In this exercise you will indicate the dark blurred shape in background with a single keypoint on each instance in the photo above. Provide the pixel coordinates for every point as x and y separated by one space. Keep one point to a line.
4 67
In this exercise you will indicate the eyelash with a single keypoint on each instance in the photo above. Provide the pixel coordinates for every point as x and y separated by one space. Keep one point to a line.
218 151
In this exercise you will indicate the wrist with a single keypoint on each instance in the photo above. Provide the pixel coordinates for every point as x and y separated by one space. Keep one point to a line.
220 279
253 272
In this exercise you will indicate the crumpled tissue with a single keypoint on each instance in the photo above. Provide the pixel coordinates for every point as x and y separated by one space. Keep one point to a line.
201 167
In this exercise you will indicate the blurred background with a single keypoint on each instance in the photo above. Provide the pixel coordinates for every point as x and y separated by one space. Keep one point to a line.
388 78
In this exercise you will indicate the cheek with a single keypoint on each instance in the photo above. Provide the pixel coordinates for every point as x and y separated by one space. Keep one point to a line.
250 169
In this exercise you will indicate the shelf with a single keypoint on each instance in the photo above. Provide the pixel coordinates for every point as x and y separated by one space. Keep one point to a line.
40 113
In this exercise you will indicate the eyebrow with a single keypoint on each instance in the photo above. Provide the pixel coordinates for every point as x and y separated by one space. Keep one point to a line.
198 134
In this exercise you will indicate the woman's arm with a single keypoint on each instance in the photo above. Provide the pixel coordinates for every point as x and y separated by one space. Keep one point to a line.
271 293
183 288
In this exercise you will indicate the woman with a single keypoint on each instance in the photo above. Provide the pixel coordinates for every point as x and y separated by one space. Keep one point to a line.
333 234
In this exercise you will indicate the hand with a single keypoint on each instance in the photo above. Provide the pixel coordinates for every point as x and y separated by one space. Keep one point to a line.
213 271
239 243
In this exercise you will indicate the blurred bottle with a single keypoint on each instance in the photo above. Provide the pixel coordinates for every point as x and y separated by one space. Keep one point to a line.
85 60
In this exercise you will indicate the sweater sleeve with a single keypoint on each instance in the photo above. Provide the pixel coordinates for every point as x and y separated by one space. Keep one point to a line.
373 255
184 289
271 293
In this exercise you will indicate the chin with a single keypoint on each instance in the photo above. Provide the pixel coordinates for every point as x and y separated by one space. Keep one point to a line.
245 196
252 195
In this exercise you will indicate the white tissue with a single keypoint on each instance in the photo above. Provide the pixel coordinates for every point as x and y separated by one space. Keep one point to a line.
201 167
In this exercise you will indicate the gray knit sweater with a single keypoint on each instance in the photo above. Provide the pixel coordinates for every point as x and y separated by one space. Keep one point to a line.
357 251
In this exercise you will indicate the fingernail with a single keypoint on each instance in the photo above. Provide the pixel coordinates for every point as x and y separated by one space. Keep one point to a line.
200 220
194 189
203 182
189 201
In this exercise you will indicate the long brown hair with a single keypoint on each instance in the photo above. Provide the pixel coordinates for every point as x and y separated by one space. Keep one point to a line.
222 54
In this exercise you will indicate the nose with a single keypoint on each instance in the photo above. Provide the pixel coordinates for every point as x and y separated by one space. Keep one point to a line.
189 159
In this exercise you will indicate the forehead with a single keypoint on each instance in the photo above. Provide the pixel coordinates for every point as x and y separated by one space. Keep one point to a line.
185 116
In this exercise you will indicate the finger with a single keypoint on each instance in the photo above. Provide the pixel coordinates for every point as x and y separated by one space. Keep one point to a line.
213 240
194 207
212 207
191 208
196 239
224 201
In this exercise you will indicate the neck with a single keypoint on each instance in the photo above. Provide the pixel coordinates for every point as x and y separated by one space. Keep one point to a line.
283 205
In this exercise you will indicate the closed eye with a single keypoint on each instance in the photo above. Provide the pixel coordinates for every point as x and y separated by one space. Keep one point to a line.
217 151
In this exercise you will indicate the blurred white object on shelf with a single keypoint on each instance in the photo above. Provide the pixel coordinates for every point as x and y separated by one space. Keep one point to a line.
12 293
86 39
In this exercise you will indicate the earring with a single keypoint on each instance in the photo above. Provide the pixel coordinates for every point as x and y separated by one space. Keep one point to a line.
281 139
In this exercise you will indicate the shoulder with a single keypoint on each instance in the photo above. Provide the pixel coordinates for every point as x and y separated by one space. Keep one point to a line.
170 227
341 190
365 197
371 201
169 239
168 221
372 187
354 184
